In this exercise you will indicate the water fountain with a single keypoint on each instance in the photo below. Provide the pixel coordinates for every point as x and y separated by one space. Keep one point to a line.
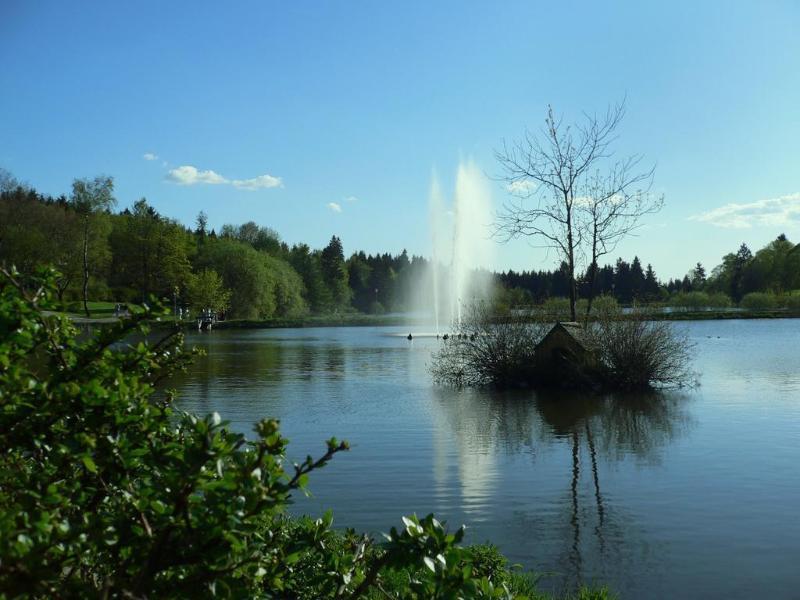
460 239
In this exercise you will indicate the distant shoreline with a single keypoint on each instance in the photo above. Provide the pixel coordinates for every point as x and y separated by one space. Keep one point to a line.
394 320
362 320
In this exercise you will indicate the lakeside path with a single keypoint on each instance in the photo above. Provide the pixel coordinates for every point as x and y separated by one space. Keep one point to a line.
79 320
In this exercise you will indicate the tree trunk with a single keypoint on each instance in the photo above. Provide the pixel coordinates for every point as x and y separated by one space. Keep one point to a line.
592 272
86 266
61 287
592 280
592 268
571 266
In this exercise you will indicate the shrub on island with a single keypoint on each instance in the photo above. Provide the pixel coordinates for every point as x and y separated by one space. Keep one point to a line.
614 351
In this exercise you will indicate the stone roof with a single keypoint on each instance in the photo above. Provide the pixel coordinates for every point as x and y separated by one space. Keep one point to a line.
576 331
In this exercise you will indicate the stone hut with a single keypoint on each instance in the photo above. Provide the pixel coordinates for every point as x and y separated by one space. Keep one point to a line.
567 357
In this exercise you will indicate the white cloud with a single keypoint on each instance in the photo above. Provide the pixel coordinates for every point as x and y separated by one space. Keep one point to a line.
150 156
257 183
773 212
522 187
189 175
351 199
337 208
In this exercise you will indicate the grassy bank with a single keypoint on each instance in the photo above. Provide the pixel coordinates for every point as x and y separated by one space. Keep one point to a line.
340 320
103 312
712 315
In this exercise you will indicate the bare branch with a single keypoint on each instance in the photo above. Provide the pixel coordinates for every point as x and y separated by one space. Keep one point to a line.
580 205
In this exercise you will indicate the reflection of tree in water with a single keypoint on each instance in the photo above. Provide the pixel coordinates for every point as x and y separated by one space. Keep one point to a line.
594 428
232 373
614 427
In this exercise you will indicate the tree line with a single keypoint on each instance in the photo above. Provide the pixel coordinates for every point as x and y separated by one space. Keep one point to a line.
768 278
244 270
248 272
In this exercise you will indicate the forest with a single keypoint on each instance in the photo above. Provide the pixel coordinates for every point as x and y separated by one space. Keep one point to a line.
248 272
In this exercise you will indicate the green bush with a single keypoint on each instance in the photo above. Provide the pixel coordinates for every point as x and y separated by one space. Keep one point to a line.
700 300
107 491
556 309
691 300
792 300
605 305
759 301
719 300
637 353
487 349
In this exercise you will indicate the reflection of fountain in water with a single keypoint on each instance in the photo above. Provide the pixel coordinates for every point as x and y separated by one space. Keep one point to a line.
478 426
460 238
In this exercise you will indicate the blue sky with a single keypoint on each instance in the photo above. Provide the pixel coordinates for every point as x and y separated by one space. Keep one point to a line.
299 108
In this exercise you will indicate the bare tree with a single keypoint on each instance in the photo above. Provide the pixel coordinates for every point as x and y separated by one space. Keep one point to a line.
559 169
612 207
8 182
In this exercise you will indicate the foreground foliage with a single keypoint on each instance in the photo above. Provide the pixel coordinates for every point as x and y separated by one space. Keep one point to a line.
107 491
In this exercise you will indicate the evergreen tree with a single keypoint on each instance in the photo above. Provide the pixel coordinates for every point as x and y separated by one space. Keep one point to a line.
334 272
637 279
358 273
698 276
741 260
651 287
307 264
201 224
623 284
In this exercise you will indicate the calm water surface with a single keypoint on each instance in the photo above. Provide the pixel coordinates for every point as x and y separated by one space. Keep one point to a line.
691 495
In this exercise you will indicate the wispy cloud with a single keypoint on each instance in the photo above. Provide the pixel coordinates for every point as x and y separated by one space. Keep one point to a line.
258 183
189 175
150 156
523 187
337 208
351 199
773 212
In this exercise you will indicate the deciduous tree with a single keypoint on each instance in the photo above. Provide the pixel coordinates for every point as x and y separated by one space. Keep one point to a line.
579 196
90 197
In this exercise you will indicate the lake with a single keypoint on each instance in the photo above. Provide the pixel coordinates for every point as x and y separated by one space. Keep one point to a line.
686 494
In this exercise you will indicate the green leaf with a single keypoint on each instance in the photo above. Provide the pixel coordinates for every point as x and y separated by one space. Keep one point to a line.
429 563
88 462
